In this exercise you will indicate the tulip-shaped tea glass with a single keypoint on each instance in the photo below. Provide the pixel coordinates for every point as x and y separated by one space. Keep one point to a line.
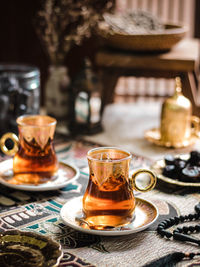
34 159
109 199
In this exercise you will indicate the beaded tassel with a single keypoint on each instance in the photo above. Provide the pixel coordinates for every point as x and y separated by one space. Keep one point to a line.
181 234
171 260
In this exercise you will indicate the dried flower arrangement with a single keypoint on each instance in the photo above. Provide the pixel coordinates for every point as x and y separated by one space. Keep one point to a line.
62 23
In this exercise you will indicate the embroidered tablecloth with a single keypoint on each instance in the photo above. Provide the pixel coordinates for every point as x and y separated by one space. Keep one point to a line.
40 212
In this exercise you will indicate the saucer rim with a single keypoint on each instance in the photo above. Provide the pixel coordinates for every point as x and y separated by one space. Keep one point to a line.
107 232
159 142
49 186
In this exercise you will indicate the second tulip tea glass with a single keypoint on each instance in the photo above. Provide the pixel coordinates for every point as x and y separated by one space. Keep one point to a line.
34 159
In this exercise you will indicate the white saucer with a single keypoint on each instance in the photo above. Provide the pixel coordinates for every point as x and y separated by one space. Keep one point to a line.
145 214
66 174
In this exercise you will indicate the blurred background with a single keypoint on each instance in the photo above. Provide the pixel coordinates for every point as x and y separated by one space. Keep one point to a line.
22 30
20 43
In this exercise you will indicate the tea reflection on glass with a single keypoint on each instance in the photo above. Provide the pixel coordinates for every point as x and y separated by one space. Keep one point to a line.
35 160
109 199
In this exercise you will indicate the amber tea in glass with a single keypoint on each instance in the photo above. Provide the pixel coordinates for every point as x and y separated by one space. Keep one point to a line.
35 159
109 199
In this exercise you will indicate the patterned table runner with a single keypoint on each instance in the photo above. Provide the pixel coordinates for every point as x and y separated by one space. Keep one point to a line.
39 212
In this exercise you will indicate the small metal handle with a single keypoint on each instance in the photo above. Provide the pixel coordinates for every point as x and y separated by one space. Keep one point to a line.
195 122
14 138
150 186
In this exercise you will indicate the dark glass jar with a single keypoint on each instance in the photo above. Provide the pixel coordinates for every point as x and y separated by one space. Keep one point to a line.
19 94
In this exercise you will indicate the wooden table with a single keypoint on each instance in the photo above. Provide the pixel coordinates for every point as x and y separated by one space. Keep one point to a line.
182 60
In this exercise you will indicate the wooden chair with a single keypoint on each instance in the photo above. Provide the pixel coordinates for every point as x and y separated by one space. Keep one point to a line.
182 60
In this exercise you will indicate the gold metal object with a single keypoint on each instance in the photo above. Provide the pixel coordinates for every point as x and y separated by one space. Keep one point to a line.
14 138
176 117
153 136
178 127
150 186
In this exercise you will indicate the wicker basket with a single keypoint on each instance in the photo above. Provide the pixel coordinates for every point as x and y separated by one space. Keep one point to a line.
161 41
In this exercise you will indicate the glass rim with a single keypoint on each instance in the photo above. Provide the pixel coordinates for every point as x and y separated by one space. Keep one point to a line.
128 154
20 120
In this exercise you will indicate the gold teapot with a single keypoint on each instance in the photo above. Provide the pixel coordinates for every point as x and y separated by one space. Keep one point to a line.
178 126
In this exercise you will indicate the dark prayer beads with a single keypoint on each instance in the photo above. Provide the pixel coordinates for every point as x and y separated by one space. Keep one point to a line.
181 233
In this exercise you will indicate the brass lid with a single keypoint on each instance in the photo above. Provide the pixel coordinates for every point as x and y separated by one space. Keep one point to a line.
178 127
176 117
177 102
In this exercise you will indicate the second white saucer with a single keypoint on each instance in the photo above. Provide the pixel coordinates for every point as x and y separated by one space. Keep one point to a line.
66 174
